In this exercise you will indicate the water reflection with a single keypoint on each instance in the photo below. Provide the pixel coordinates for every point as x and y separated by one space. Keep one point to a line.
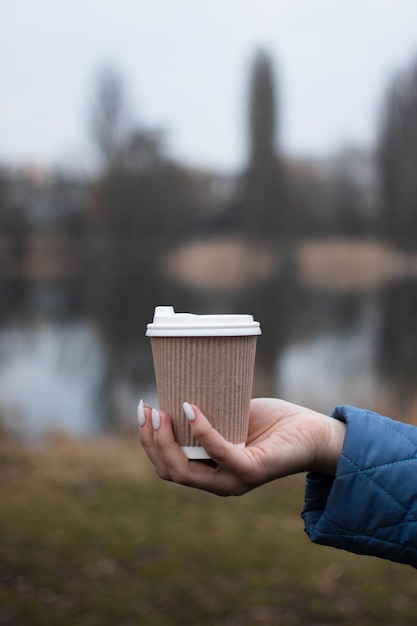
332 368
51 376
397 348
318 348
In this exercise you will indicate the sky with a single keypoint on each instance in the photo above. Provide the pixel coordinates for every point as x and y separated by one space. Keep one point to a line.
186 67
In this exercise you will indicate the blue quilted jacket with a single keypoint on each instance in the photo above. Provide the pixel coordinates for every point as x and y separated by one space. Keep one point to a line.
370 506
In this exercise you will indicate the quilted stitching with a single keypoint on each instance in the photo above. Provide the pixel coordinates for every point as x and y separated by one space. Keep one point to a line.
371 505
368 473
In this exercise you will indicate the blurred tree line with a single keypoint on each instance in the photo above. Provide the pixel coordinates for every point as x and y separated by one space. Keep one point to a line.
142 203
397 159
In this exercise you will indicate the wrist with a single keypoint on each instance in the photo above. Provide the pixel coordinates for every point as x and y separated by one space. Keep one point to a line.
329 446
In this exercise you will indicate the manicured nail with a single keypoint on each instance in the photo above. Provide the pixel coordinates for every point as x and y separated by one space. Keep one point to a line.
189 411
141 414
156 419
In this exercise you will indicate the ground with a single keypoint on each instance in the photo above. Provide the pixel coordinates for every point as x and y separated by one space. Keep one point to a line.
90 536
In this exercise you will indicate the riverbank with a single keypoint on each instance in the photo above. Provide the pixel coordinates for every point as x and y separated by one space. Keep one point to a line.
91 536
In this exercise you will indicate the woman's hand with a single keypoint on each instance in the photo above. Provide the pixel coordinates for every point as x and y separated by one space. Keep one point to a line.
283 439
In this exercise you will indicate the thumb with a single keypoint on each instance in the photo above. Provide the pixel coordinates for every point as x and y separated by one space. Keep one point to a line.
221 451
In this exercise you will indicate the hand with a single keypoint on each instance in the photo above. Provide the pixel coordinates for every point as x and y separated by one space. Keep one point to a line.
283 439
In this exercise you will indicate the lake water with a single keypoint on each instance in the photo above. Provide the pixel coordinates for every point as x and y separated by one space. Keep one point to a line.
330 369
50 376
60 372
55 375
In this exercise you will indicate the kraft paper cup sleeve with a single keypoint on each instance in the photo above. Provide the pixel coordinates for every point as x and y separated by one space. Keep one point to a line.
213 372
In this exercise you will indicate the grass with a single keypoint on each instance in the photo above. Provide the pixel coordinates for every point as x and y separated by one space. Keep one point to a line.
90 536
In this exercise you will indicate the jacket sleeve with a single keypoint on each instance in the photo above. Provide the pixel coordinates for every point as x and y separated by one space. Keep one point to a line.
370 506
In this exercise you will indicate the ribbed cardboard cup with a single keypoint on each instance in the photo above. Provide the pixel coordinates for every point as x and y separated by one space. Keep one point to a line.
206 360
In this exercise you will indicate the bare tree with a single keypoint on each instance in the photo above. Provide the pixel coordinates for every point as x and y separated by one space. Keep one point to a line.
398 157
110 119
263 194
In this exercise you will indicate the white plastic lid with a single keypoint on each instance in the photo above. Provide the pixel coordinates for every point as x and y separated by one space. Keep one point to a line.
167 323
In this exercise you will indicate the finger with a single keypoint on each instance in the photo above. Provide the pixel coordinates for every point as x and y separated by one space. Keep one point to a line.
146 435
157 439
145 425
156 428
172 464
223 452
169 459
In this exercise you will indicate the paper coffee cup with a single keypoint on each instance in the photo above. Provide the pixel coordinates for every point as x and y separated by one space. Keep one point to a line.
207 360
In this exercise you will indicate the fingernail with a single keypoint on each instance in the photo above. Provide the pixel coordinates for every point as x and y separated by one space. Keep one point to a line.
189 411
141 414
156 419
